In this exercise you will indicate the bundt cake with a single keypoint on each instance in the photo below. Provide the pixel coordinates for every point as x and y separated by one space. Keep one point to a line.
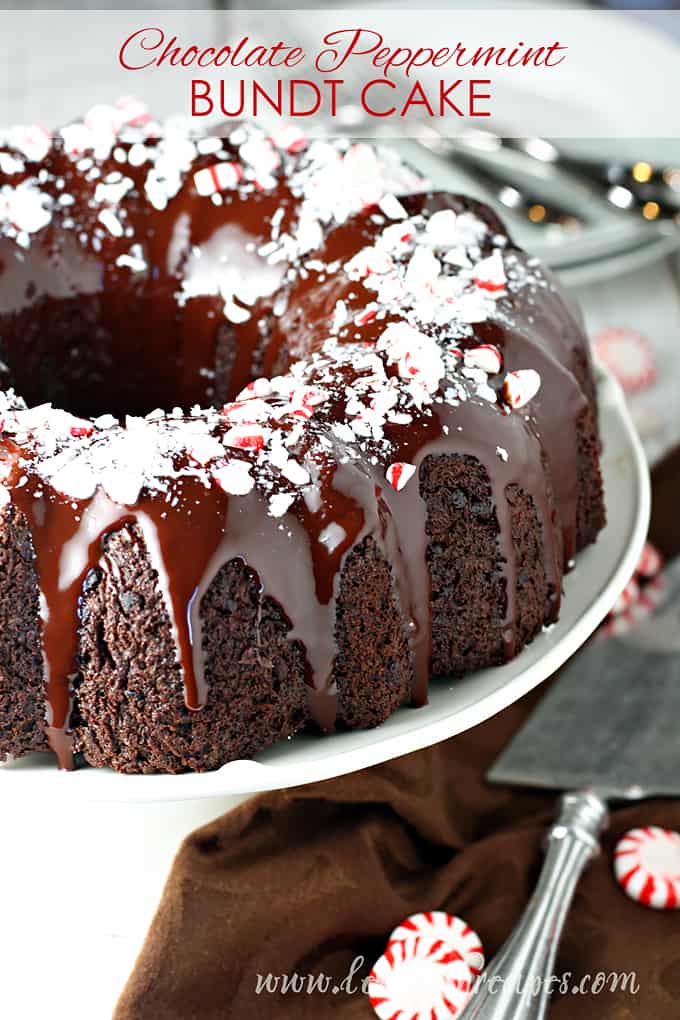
282 435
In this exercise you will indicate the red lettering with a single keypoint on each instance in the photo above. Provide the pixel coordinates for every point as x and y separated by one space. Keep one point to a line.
143 40
364 98
200 92
474 95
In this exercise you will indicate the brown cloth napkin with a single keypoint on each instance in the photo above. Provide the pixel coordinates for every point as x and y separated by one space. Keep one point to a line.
307 881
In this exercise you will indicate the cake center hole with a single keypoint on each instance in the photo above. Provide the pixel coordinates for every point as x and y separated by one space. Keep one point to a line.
95 355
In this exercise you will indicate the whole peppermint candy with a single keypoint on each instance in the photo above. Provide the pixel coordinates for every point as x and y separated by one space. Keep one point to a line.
647 866
422 979
436 924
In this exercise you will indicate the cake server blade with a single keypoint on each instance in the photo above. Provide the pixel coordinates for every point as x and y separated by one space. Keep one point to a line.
608 730
610 723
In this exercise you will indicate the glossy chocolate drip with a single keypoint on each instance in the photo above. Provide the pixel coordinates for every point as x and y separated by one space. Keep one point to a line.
534 329
65 545
296 567
474 429
189 534
180 535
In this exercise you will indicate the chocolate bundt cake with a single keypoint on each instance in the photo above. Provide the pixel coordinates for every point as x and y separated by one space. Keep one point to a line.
282 435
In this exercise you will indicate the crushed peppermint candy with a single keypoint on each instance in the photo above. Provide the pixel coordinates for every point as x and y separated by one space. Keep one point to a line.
234 477
246 437
290 138
520 387
332 536
413 296
32 141
398 474
218 177
280 503
490 274
26 208
486 356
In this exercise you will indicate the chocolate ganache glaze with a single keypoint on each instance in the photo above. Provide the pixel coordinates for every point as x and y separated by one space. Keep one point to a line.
146 272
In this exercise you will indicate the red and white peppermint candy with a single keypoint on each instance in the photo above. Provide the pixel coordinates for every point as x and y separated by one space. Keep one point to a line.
132 112
650 562
368 261
398 234
486 357
520 387
203 449
76 138
629 595
311 396
304 399
641 595
490 274
422 271
419 978
257 388
399 473
234 477
218 177
647 866
649 598
441 228
246 411
246 437
454 932
628 356
366 315
84 430
264 182
392 207
261 155
27 208
32 141
290 138
361 159
409 365
301 411
103 119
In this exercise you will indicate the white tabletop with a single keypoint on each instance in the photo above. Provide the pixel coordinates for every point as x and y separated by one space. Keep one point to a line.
79 886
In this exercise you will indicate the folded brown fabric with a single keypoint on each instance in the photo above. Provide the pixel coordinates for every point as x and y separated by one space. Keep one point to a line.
311 882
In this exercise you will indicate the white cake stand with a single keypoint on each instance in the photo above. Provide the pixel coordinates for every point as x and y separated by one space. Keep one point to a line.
85 855
589 592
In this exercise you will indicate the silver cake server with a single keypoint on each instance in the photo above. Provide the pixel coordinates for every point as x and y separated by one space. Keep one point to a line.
609 730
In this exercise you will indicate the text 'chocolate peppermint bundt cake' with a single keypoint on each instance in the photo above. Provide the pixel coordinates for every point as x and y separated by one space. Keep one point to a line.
282 435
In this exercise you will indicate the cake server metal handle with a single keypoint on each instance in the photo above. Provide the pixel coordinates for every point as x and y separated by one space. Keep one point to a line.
517 983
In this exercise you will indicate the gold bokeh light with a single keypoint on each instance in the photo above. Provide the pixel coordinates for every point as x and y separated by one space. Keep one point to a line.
642 172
